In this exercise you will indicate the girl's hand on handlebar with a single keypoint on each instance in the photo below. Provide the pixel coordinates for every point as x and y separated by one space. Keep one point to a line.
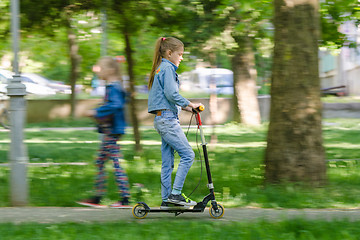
196 107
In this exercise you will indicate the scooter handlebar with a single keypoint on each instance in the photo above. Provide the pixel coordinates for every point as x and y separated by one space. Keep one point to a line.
199 109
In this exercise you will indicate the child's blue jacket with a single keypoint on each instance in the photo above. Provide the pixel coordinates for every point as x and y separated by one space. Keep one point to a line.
114 104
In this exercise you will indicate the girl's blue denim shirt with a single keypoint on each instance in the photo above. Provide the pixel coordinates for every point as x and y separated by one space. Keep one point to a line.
164 93
114 104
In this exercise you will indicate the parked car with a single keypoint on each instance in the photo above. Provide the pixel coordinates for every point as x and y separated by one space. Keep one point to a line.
41 80
31 87
199 80
3 82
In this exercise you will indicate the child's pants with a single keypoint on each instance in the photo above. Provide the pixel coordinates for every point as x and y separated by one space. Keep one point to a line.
173 138
109 149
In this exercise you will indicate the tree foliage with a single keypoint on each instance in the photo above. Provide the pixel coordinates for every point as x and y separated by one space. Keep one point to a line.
333 14
220 31
193 21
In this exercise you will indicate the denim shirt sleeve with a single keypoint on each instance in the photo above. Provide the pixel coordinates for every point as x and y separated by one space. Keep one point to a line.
115 101
171 88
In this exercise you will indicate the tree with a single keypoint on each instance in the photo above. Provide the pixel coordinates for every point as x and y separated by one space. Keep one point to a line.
249 23
294 143
75 58
129 17
237 28
333 14
48 17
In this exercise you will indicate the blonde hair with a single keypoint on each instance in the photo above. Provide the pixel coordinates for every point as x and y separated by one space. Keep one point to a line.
161 46
109 62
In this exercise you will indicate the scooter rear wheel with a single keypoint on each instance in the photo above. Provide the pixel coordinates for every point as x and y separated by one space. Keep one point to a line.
217 213
139 211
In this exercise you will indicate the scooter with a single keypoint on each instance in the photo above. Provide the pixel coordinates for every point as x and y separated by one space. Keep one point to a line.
216 210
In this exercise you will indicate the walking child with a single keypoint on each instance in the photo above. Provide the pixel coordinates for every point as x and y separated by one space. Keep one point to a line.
165 103
111 124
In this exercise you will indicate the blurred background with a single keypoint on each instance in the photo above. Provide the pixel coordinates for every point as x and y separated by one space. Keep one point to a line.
228 64
59 38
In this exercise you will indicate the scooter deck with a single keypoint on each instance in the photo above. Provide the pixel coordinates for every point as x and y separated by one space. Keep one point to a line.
142 209
172 209
177 212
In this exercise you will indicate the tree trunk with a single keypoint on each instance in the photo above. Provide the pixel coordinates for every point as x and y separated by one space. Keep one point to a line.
245 94
133 112
75 60
294 144
213 101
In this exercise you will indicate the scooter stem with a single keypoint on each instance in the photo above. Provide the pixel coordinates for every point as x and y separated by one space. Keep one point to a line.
199 123
207 165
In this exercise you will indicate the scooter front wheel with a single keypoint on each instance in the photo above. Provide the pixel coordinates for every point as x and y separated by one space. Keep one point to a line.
139 211
217 213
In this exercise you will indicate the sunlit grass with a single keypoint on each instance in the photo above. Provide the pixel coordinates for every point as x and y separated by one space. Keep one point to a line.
345 99
194 229
236 162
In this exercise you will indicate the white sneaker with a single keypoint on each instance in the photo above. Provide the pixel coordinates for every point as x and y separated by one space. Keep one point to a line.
181 199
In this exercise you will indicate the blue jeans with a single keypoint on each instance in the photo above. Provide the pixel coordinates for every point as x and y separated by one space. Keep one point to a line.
173 138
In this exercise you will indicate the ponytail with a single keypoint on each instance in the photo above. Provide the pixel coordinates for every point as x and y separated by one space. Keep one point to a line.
156 61
161 46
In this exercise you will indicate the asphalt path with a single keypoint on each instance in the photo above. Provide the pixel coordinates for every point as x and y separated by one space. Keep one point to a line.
90 215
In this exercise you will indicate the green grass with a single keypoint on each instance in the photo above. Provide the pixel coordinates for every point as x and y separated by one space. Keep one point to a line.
236 165
67 122
174 229
237 168
85 95
188 95
346 99
61 96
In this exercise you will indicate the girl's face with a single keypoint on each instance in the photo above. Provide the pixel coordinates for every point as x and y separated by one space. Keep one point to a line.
176 57
101 71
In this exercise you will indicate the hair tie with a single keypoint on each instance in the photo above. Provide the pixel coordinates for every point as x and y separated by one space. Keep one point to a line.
163 39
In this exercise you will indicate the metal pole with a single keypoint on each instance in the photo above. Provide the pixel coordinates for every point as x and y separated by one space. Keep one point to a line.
16 90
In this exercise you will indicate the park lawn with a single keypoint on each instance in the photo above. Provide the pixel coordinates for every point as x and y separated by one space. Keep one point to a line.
236 164
195 230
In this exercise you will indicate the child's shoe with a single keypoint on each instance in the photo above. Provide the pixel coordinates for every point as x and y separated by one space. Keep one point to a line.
181 199
121 204
91 202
